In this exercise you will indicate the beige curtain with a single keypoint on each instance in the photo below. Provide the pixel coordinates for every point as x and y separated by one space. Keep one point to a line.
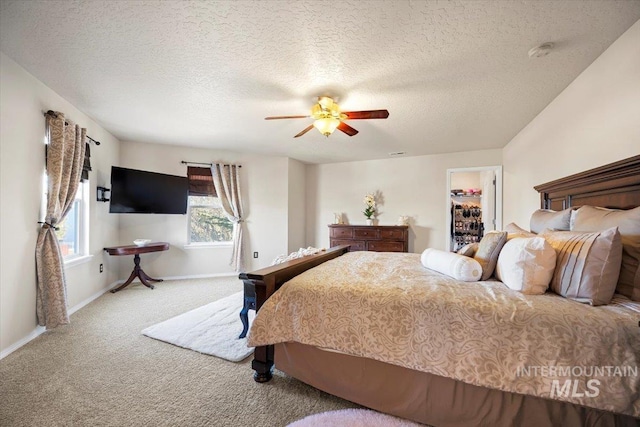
226 179
65 157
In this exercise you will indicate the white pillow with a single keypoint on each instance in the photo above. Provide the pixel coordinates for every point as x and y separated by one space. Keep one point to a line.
459 267
526 264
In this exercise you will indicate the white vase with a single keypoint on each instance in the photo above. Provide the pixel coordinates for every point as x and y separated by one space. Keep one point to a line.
369 221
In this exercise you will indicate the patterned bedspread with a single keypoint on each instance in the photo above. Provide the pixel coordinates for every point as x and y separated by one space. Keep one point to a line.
388 307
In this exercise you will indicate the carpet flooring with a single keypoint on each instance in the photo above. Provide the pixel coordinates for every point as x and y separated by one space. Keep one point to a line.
101 371
212 329
352 418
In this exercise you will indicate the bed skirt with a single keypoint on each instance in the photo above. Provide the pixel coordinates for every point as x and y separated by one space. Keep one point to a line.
428 398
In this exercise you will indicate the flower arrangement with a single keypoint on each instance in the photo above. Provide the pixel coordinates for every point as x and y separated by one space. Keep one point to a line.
370 203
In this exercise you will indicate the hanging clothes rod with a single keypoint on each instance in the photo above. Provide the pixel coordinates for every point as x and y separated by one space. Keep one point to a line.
53 114
200 163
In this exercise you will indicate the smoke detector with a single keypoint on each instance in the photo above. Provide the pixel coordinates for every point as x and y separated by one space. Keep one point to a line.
540 51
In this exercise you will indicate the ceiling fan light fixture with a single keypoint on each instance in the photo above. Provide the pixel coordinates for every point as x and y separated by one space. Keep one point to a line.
335 110
325 102
327 125
328 117
316 112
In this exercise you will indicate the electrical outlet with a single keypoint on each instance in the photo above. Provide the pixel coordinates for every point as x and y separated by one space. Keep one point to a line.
101 268
255 254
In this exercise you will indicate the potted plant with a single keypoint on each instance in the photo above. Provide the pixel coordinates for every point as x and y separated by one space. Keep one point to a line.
370 210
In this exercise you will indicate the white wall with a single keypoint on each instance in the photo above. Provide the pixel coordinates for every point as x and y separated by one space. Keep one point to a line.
594 121
265 192
23 99
297 205
413 186
465 180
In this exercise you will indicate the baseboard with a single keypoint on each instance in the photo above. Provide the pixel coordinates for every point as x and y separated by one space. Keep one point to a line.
199 276
93 297
39 330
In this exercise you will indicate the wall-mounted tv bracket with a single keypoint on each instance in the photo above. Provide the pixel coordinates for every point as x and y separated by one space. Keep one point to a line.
102 193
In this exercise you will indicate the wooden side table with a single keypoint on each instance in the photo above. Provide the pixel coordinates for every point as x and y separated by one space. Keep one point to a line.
137 271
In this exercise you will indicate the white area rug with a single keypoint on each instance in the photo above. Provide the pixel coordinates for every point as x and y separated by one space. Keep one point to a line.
352 418
211 329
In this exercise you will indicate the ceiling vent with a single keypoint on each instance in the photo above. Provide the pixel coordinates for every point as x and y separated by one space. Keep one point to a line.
540 51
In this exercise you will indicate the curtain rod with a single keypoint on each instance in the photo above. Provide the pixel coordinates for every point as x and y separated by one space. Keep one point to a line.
200 163
53 114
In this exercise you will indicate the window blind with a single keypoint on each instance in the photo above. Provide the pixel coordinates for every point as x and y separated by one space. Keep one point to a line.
200 182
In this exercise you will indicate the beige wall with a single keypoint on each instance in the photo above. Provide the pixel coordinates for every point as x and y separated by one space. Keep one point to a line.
594 121
297 201
413 186
265 192
465 180
23 99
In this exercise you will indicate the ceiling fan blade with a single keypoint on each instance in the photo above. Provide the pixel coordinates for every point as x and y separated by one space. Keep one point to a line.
307 129
285 117
347 129
372 114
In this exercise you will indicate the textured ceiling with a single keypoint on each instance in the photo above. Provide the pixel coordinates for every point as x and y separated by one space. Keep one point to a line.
454 75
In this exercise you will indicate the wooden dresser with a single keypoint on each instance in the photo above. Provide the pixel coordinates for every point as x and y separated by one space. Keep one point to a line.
378 238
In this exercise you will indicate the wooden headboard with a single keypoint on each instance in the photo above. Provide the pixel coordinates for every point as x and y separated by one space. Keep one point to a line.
616 186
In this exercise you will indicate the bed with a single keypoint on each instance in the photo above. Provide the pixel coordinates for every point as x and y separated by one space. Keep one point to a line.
470 372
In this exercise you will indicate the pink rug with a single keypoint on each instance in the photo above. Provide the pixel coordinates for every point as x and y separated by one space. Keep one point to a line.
352 418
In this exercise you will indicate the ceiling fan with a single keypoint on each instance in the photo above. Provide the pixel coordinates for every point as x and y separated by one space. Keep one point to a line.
328 117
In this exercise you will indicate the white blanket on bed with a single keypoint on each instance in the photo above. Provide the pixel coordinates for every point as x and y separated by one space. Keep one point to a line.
388 307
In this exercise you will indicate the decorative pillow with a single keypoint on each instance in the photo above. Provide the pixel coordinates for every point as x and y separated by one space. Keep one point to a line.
468 250
589 218
457 266
553 220
488 251
526 264
515 231
587 264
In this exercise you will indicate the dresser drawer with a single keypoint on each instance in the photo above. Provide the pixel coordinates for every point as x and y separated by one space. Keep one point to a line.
385 246
392 234
366 233
341 233
354 245
380 238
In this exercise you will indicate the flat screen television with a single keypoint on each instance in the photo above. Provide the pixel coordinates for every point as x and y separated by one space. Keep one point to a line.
136 191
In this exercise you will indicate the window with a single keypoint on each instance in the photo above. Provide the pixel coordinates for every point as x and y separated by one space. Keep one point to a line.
73 231
208 222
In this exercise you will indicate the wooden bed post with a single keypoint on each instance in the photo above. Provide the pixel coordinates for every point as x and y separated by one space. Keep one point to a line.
262 362
266 282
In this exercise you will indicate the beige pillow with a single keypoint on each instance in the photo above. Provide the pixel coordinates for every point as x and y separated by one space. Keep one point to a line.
589 218
453 265
468 250
553 220
488 251
587 264
526 264
516 231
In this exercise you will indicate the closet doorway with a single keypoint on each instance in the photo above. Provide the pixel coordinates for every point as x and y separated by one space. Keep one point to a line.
474 204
